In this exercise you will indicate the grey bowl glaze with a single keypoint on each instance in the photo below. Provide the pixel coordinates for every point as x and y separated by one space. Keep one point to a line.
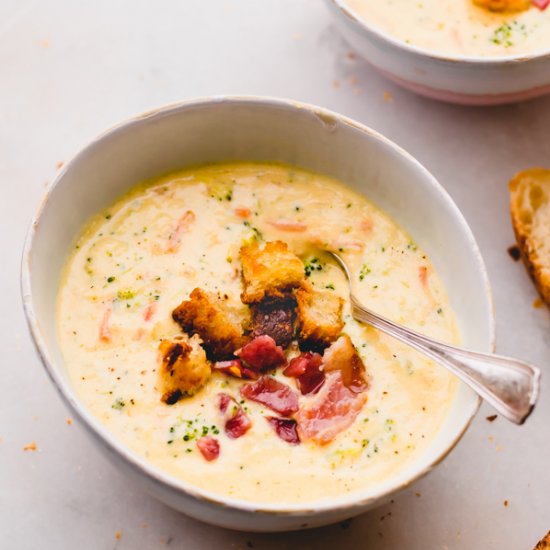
246 128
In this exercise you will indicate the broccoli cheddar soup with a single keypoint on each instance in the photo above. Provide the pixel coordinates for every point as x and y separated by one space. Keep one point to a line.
462 27
203 323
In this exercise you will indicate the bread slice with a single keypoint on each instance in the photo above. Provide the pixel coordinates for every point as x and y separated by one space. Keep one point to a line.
530 209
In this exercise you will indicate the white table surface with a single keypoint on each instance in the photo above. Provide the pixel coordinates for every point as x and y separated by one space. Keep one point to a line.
71 68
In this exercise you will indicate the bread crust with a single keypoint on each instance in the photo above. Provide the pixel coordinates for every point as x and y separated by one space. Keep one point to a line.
544 544
522 212
219 323
270 271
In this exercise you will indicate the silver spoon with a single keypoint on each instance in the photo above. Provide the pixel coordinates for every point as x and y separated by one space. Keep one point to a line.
509 385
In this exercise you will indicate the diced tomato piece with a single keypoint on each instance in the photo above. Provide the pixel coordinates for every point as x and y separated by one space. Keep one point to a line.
209 447
285 428
262 354
273 394
323 416
307 370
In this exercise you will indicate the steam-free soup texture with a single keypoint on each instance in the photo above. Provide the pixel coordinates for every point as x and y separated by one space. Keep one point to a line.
135 262
458 27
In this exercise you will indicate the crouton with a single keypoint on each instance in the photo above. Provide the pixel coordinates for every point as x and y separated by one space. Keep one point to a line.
275 317
530 210
504 6
269 271
184 368
218 322
319 317
543 544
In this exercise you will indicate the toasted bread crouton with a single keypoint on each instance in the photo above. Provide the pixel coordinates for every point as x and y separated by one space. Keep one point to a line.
319 317
275 317
530 210
544 544
218 322
184 368
504 6
269 271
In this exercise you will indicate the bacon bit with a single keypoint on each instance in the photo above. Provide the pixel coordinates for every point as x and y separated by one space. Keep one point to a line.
323 416
262 354
237 422
209 447
541 4
423 275
243 212
342 356
30 447
235 368
104 329
341 246
285 428
306 368
273 394
366 225
150 310
289 225
182 227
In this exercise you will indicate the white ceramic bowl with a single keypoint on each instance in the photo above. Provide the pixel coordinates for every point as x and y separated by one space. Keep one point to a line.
465 80
220 129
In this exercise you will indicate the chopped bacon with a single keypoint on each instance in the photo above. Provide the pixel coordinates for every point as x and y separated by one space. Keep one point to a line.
273 394
104 328
237 422
235 367
541 4
307 370
289 225
323 416
209 447
262 354
285 428
182 226
343 357
243 212
149 311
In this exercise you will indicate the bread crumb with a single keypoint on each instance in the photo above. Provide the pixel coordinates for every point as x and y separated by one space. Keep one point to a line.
491 418
118 534
538 303
335 83
353 80
418 494
351 55
514 252
44 44
69 421
505 504
30 447
388 97
60 164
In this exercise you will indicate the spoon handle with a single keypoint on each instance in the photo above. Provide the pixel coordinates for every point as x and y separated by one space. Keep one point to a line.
509 385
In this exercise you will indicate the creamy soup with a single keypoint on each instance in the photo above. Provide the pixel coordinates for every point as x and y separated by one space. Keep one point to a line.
458 27
137 261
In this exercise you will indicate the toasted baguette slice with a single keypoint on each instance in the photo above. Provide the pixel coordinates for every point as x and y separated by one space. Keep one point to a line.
530 209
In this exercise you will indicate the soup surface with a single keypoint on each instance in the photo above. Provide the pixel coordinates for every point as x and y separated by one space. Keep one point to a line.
137 261
458 27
